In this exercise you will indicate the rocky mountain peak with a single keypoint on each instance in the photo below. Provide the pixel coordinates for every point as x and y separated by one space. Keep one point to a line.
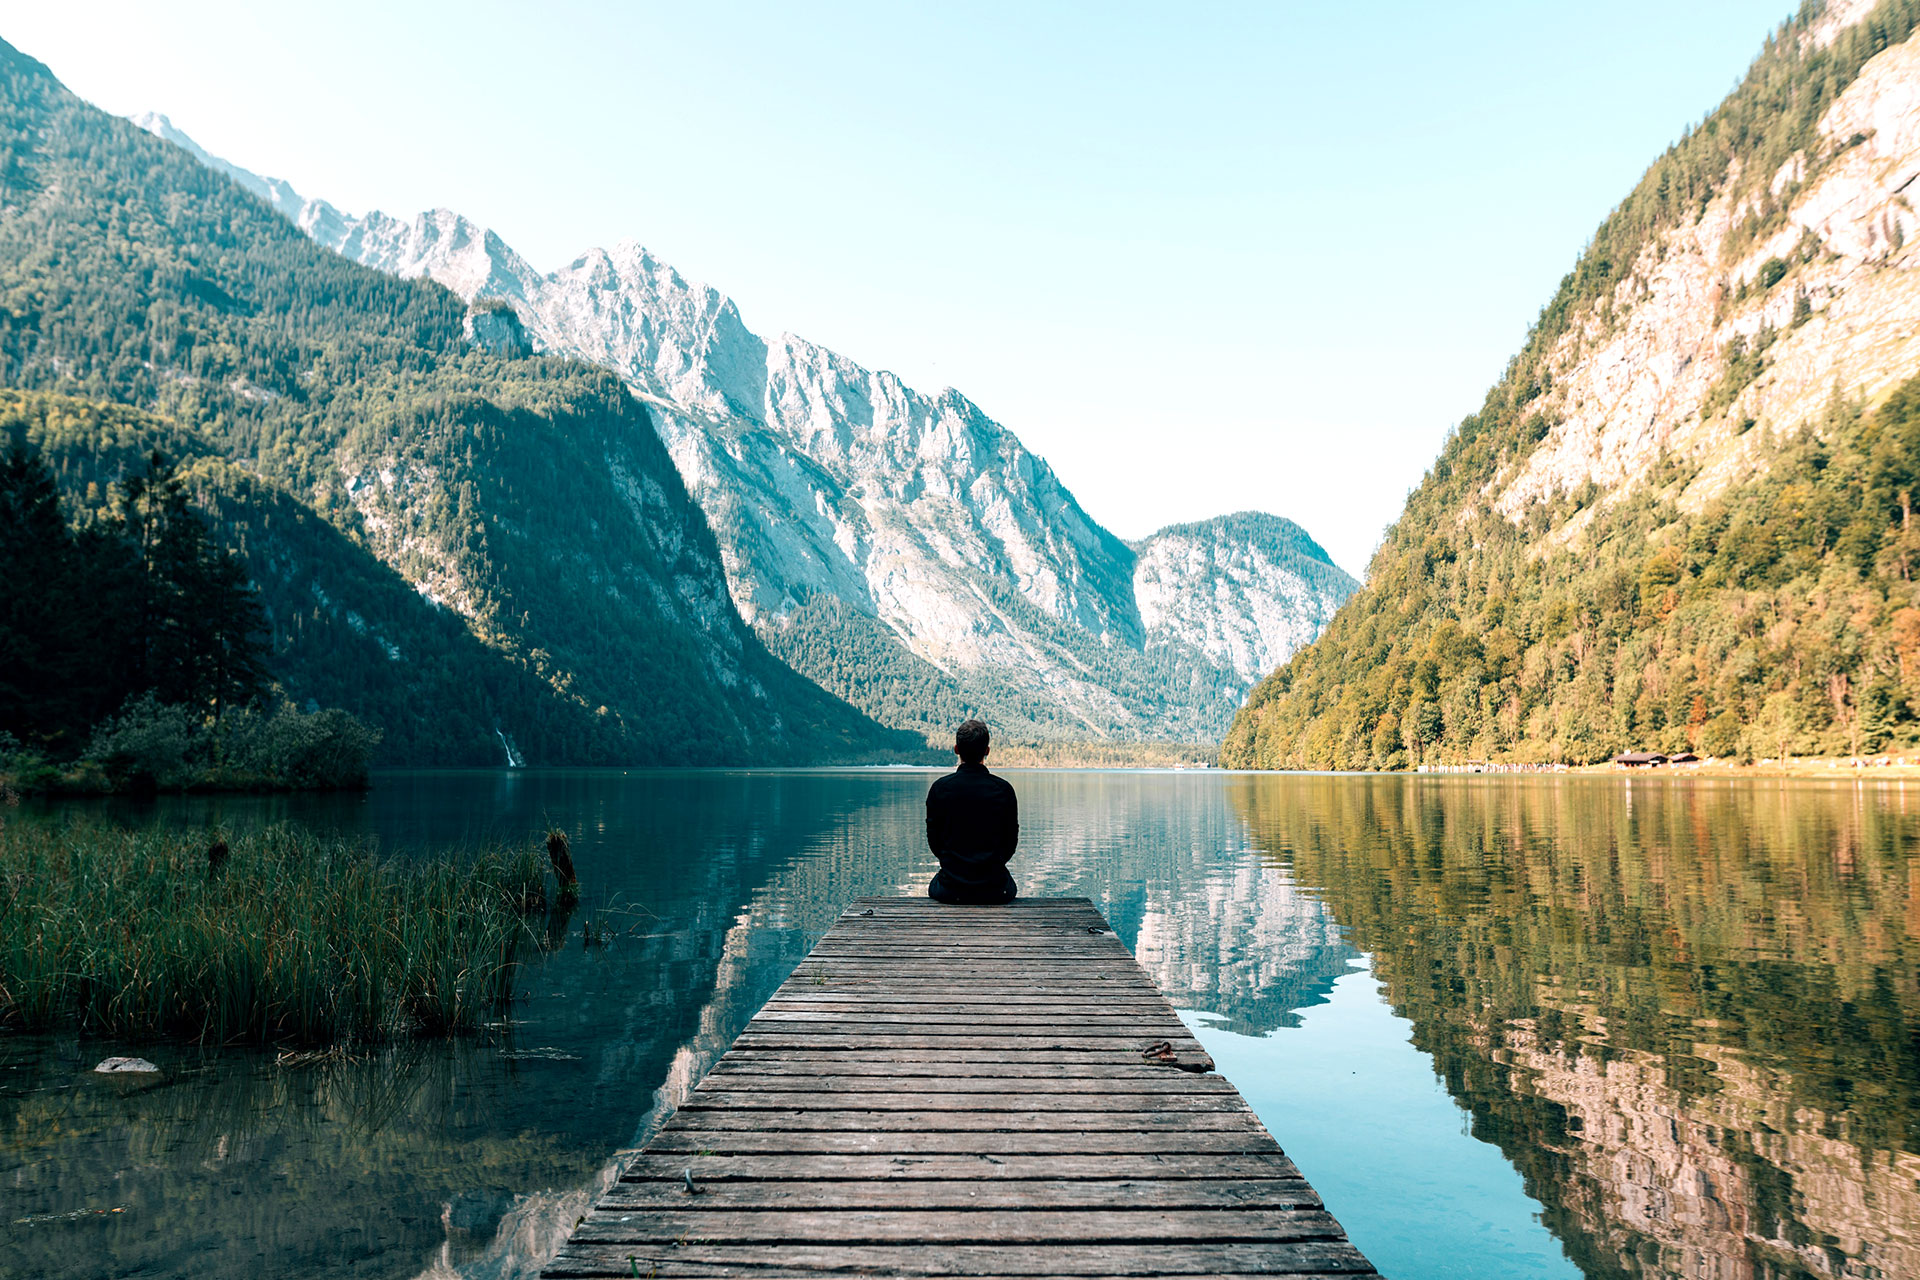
1247 589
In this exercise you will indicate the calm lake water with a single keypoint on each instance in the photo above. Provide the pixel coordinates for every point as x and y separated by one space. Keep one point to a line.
1509 1027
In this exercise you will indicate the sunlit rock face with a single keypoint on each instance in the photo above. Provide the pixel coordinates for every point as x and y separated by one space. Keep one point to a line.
1830 292
1247 590
497 329
821 477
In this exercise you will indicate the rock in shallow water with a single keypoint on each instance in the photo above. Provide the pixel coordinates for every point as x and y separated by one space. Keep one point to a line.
114 1066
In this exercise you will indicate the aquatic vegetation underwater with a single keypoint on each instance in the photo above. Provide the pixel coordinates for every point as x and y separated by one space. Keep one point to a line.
279 936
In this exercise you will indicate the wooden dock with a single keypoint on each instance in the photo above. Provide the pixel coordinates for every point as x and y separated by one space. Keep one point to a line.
963 1091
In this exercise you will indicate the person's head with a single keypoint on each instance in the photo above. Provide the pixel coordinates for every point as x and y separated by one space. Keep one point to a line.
970 741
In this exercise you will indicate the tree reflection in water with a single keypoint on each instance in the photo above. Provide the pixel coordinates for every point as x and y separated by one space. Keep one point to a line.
1686 1012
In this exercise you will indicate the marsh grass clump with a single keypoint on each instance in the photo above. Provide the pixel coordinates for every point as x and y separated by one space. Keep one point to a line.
560 854
298 940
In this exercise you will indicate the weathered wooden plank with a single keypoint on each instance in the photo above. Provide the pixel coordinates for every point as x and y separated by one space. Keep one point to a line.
944 954
942 1092
953 1055
717 1226
916 975
1072 946
968 1193
934 977
618 1256
853 987
939 994
854 1036
1034 923
1010 977
973 944
924 924
882 932
935 920
998 1071
909 935
851 1004
915 926
733 1082
1025 908
1091 1005
1050 971
700 1271
844 986
1182 1142
1034 926
977 1052
929 996
908 902
862 1120
1003 1100
983 991
1161 1023
1055 973
946 1032
1311 1257
933 1014
1088 969
976 945
975 1170
1026 980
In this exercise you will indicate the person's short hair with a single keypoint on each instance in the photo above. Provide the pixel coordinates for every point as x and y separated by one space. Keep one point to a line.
970 741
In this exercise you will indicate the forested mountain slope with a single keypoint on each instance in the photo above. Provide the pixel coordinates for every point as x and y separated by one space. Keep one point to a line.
906 551
478 553
1683 516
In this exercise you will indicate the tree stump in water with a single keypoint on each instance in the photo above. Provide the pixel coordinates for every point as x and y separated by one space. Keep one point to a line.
560 854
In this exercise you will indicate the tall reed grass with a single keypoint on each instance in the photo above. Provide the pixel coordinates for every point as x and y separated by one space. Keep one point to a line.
291 938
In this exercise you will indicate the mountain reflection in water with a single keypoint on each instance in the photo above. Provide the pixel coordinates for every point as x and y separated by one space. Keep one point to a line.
1684 1014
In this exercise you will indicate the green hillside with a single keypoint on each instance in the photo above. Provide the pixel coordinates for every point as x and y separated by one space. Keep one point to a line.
1779 616
462 548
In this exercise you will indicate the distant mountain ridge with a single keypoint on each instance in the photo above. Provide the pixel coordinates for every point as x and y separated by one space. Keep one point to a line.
961 563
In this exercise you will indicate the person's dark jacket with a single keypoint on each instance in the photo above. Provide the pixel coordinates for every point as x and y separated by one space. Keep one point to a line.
973 824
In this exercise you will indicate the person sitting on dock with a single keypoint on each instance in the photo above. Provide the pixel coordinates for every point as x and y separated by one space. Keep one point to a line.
973 823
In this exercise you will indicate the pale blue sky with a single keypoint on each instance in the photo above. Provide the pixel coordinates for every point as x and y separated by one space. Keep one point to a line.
1202 258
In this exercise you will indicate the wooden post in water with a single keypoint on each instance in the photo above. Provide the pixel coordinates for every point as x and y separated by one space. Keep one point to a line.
963 1091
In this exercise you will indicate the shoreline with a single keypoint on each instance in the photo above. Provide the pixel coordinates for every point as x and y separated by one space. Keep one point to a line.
1827 767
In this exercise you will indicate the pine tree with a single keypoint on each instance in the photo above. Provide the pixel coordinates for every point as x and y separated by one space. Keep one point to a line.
143 603
36 622
203 630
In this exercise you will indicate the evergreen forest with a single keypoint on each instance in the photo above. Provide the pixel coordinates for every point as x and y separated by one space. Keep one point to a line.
141 648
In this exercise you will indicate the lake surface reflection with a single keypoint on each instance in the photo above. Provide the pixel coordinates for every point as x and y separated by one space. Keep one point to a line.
1509 1027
